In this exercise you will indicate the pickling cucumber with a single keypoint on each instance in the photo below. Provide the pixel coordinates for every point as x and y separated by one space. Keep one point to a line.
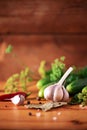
42 82
76 86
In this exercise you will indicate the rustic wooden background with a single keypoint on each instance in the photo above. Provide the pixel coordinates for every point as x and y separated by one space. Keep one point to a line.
42 29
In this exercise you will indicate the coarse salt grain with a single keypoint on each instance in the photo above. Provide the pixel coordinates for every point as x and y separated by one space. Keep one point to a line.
38 114
83 107
54 118
59 113
38 109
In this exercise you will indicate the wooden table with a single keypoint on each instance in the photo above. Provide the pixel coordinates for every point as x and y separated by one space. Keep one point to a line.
17 117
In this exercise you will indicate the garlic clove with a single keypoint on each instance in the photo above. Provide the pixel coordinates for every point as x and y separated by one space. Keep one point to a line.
65 94
48 92
18 99
58 94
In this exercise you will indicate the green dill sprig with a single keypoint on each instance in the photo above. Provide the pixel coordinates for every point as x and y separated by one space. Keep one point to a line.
80 98
42 69
57 69
12 83
25 78
9 49
19 80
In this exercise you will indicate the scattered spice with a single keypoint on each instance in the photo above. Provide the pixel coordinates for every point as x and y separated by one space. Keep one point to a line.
30 113
38 109
6 106
38 114
54 118
28 102
40 102
38 98
46 106
59 113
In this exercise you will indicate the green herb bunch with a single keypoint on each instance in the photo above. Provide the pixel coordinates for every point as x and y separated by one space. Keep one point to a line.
18 80
57 69
53 74
80 98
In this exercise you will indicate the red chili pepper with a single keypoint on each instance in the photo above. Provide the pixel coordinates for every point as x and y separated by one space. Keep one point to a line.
9 96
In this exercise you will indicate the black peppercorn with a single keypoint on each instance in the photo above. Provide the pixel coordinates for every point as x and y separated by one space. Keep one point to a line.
30 114
28 102
38 98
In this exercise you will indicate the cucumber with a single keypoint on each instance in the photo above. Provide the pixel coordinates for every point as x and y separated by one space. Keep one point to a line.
76 86
41 92
42 82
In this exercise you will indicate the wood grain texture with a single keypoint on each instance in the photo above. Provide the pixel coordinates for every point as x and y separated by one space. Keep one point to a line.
46 16
17 117
42 29
31 49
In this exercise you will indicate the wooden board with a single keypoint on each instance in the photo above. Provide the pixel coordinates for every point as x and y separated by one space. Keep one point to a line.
32 49
18 118
43 16
41 29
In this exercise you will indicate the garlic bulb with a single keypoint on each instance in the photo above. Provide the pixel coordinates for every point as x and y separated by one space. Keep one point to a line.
65 94
57 92
18 99
48 92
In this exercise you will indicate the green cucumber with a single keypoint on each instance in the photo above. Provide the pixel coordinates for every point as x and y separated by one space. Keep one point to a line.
41 92
76 86
42 82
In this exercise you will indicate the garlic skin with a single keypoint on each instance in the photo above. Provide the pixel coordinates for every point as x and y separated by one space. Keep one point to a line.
48 92
18 100
65 94
58 94
57 91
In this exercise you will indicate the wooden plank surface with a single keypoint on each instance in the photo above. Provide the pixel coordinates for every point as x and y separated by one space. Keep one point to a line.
46 16
41 29
31 49
17 117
